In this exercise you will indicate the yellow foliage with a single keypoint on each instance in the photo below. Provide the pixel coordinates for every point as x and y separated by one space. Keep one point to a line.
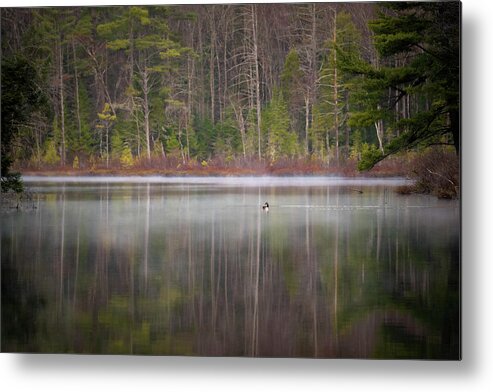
126 159
75 163
51 156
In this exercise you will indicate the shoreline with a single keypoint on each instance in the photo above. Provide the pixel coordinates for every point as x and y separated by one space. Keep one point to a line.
236 172
225 180
395 167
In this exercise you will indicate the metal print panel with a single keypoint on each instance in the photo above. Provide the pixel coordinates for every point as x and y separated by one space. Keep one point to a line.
262 180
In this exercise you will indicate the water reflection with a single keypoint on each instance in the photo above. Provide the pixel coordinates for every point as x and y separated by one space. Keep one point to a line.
200 269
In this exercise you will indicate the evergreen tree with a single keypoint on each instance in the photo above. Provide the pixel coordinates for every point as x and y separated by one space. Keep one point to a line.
176 82
291 83
331 112
52 32
427 37
144 33
106 121
281 141
20 98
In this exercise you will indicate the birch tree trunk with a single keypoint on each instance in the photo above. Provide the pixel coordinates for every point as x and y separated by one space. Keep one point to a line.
77 103
145 108
379 129
307 120
211 63
190 72
256 75
62 102
336 88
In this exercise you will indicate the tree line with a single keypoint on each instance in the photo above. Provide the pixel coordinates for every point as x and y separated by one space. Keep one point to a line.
241 82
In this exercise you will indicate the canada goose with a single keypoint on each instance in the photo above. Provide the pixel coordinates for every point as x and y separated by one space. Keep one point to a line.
265 207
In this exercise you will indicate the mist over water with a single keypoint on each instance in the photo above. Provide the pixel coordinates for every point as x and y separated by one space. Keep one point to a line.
228 181
194 266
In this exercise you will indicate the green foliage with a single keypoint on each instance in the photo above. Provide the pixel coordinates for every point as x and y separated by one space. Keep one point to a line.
126 157
281 142
172 145
107 116
227 141
291 76
51 156
204 138
144 34
332 111
424 37
319 132
251 142
124 134
12 182
140 60
157 149
292 87
20 98
80 142
357 146
369 154
117 146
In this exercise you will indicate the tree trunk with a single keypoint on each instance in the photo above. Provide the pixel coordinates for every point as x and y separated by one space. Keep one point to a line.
225 63
336 89
107 146
62 103
187 138
137 125
77 103
348 128
145 91
313 71
179 139
190 72
307 120
256 76
220 102
211 63
379 130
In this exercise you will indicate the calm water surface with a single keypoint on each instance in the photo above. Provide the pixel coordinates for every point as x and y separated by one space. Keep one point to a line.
336 268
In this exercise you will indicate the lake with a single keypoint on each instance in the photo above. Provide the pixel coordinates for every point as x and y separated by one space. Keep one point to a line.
337 268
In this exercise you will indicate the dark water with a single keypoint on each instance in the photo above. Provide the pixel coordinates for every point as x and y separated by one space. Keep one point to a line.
195 267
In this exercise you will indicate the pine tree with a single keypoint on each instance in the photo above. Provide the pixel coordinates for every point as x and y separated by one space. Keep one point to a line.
291 83
143 32
106 121
52 28
427 37
333 108
20 97
281 141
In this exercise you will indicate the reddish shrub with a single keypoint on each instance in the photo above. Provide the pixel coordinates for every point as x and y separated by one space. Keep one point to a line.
436 172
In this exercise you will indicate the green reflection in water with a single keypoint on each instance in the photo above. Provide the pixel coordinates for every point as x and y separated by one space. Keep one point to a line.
183 269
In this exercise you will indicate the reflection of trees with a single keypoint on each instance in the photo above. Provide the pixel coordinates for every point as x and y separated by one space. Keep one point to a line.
20 306
407 297
139 270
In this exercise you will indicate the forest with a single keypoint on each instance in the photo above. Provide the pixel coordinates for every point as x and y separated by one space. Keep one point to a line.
241 88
